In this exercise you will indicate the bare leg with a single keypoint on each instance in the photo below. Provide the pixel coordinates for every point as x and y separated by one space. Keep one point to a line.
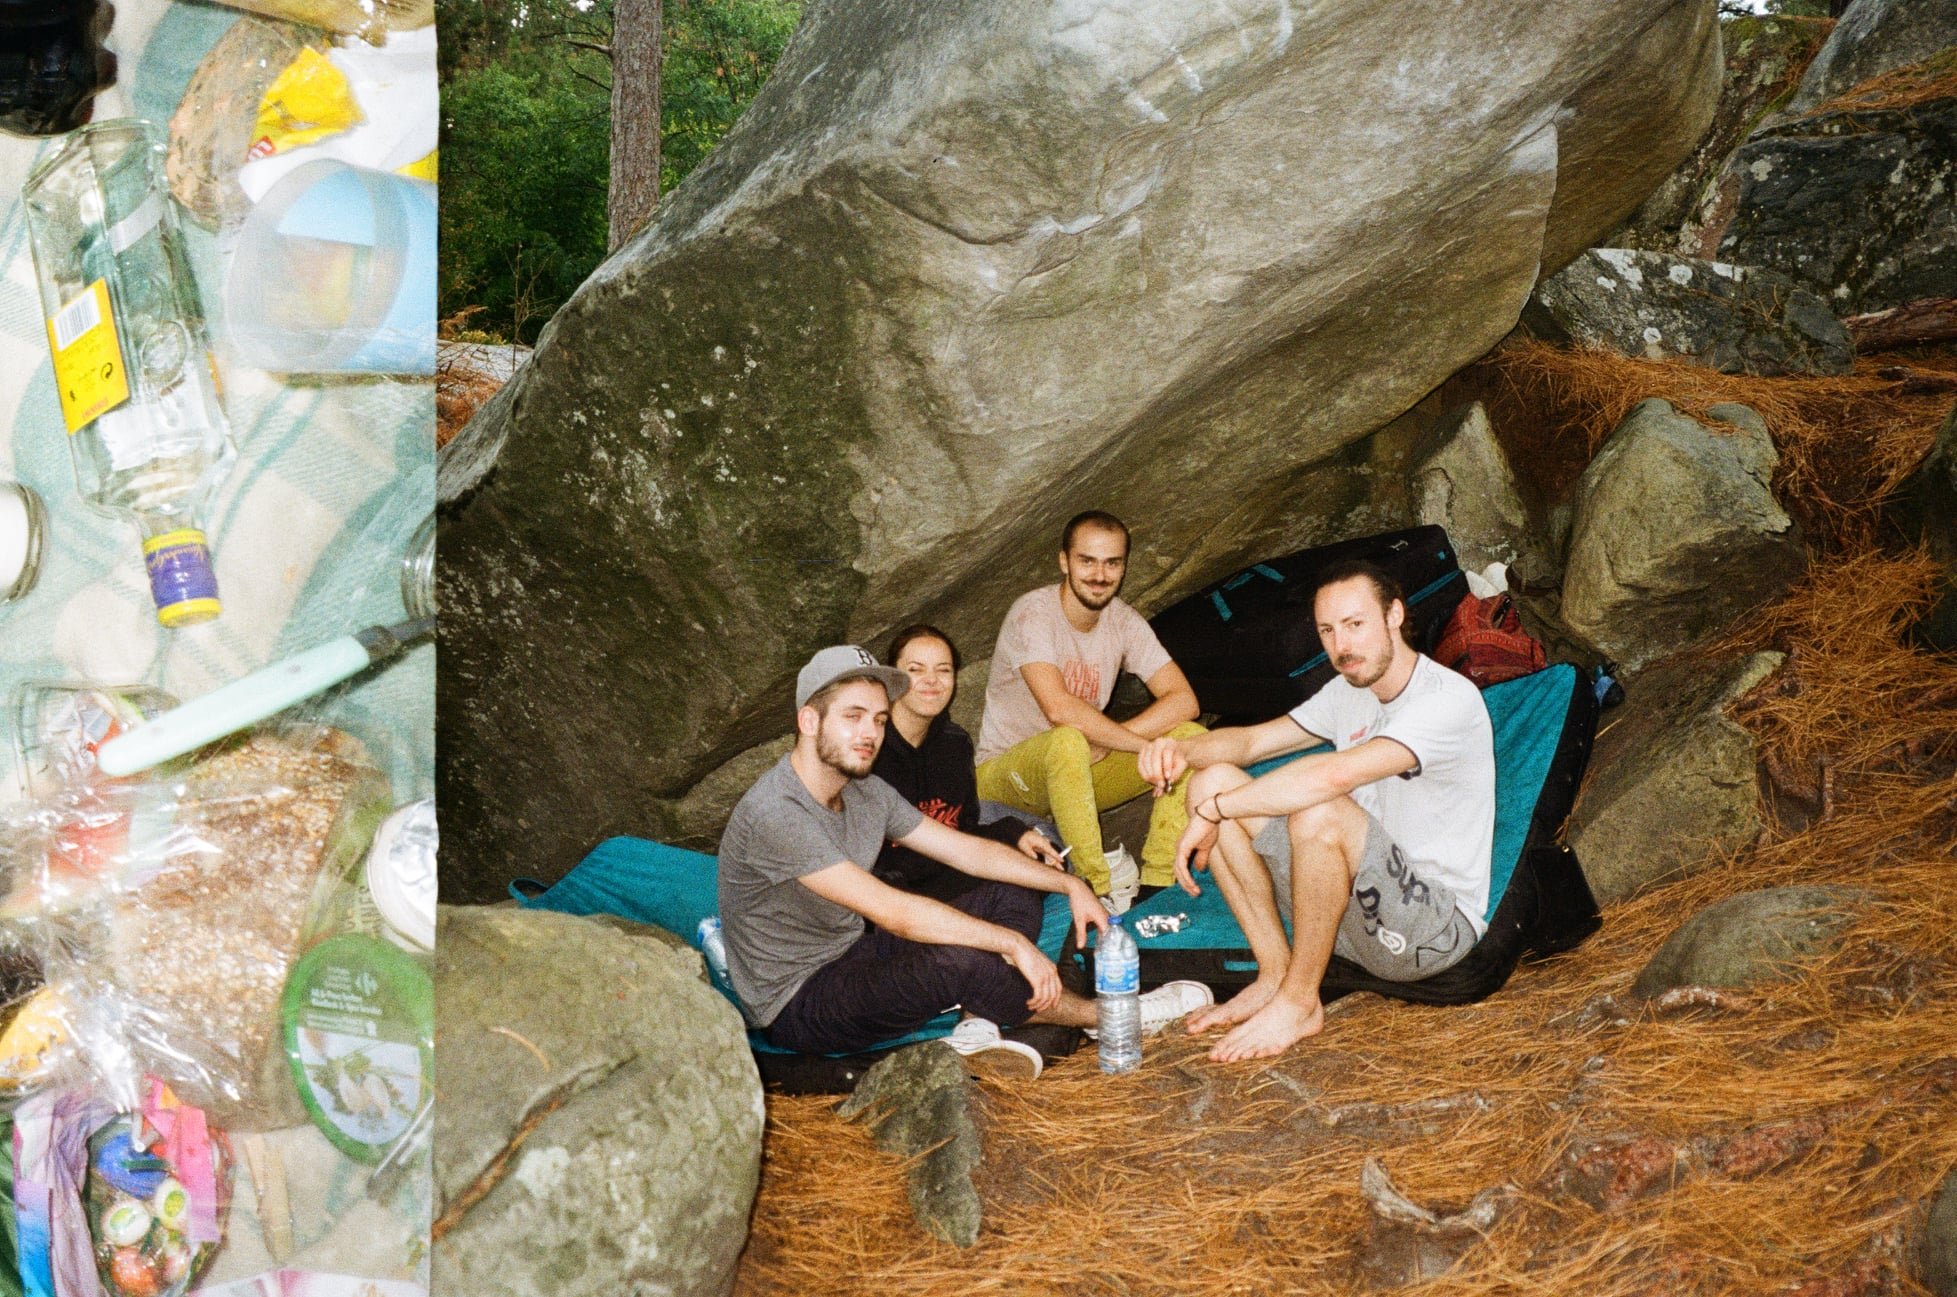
1246 885
1072 1011
1326 843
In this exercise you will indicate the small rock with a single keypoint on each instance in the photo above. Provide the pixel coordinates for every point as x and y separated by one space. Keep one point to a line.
919 1099
1851 204
1463 482
1761 1148
1752 937
1672 787
1874 37
1924 509
1612 1173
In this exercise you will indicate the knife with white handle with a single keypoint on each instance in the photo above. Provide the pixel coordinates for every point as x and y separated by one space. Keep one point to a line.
246 701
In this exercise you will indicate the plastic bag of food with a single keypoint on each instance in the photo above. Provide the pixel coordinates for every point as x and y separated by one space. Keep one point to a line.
130 1204
178 964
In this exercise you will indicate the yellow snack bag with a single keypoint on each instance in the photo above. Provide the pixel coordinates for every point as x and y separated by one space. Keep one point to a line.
308 101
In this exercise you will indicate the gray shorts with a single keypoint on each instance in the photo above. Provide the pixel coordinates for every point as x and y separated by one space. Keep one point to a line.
1396 924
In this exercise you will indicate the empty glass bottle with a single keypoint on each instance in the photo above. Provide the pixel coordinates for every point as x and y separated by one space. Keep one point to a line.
132 363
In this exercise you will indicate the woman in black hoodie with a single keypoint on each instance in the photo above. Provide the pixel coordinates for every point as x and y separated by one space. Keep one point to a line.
927 758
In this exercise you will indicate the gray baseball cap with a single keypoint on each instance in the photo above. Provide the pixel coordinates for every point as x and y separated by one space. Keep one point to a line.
846 662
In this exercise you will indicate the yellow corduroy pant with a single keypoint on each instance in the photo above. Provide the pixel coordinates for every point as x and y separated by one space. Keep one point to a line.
1049 775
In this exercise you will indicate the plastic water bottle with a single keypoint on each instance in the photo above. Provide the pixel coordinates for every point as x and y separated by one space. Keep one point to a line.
714 947
1118 999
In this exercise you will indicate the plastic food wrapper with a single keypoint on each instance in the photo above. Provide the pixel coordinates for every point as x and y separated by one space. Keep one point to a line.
127 1204
217 124
175 965
388 103
58 728
371 20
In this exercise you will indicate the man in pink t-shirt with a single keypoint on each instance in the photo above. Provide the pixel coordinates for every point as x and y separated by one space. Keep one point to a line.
1045 745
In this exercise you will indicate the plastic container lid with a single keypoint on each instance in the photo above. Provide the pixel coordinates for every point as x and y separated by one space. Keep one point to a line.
359 1024
401 873
335 270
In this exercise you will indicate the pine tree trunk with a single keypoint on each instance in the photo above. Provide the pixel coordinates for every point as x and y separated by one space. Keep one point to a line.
635 118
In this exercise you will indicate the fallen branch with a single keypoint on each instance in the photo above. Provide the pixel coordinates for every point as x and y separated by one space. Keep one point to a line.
1933 319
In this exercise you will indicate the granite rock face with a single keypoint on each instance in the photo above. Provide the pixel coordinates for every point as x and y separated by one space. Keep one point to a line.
600 1098
1874 37
1765 56
1676 533
1855 204
1729 318
960 271
1672 787
1749 938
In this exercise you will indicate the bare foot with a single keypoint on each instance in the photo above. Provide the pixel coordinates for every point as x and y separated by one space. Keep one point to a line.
1270 1031
1233 1010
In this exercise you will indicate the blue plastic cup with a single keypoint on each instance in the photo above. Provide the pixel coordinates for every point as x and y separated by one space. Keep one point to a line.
335 271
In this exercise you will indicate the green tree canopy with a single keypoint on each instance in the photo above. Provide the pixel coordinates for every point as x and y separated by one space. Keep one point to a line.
526 130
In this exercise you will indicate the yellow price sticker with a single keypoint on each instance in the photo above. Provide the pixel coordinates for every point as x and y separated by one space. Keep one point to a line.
88 370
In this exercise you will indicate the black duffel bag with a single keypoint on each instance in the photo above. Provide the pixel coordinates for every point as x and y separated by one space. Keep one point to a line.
1249 644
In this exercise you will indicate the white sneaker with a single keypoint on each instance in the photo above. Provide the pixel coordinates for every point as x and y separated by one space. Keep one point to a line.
1165 1004
1124 879
988 1054
1170 1001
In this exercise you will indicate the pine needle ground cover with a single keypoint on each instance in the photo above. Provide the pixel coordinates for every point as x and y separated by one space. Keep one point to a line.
1782 1139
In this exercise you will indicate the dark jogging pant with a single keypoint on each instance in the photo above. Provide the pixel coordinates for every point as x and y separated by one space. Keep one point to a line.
885 986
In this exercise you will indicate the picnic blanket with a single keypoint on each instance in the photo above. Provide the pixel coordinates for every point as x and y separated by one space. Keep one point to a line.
332 478
333 475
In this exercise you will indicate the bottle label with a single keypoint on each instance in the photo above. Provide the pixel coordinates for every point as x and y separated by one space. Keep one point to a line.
1115 975
88 371
180 577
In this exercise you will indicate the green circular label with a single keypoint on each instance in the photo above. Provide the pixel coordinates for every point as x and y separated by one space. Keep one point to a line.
359 1034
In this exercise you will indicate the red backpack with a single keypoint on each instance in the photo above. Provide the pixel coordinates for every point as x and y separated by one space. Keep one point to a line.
1485 642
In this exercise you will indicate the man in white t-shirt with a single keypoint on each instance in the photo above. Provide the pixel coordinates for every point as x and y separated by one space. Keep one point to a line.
1045 745
1377 851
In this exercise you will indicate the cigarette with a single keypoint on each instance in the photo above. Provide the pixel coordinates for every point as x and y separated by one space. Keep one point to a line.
1064 850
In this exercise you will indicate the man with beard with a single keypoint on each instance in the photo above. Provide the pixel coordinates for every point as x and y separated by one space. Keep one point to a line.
832 960
1377 851
1045 745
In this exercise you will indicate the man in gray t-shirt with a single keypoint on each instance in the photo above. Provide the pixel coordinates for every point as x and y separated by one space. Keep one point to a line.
830 958
1378 850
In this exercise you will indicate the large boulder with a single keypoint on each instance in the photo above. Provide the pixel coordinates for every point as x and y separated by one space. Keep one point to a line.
1676 533
1854 204
1749 938
963 269
1673 786
1925 510
1765 56
1652 304
1872 38
599 1129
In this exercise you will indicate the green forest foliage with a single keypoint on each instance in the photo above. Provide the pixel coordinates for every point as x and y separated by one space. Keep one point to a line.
526 121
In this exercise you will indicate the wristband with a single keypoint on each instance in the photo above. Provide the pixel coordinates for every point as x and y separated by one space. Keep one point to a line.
1217 802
